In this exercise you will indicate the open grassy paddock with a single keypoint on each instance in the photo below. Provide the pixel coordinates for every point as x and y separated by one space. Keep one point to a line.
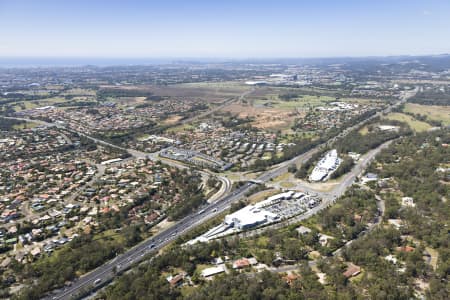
432 112
25 125
415 124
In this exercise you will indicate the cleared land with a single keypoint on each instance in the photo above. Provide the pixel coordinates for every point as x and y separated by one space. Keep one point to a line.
222 87
303 102
432 112
255 198
364 130
30 104
25 125
415 124
172 120
276 108
264 118
210 91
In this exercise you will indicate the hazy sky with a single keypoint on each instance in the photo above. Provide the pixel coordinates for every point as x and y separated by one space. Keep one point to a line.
189 28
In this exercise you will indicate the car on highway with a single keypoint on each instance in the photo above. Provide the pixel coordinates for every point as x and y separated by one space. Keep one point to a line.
97 281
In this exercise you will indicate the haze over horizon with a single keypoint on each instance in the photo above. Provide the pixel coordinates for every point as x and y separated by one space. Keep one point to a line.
202 29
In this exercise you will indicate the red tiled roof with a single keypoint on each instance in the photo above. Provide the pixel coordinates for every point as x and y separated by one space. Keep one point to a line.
241 263
405 249
352 270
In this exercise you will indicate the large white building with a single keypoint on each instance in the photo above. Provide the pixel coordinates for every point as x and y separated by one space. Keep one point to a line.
326 166
248 217
274 208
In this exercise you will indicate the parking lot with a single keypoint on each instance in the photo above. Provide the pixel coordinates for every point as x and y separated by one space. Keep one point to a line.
296 205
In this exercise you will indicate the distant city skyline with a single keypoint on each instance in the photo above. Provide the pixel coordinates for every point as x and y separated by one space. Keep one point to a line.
232 29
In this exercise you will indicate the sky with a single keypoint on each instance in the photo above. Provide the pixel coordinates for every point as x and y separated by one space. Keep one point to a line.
228 29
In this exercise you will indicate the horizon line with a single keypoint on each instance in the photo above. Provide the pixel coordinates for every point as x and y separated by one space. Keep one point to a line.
218 56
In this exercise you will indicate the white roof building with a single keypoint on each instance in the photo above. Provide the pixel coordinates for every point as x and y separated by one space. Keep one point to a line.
326 166
249 216
213 270
408 201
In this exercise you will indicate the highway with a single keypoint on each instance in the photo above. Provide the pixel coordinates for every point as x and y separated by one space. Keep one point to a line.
106 272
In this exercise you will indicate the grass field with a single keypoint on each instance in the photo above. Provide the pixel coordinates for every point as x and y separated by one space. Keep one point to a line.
227 88
290 136
266 156
218 85
255 198
26 125
364 130
180 128
24 105
318 97
415 124
287 185
80 91
210 92
21 105
434 257
282 177
432 112
302 102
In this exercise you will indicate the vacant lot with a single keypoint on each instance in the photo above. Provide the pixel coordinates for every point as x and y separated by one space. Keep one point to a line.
172 120
264 117
210 92
262 195
302 102
364 130
23 105
432 112
25 125
415 124
220 87
80 92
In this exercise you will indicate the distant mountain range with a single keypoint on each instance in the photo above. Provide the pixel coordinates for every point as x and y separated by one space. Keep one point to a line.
441 61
